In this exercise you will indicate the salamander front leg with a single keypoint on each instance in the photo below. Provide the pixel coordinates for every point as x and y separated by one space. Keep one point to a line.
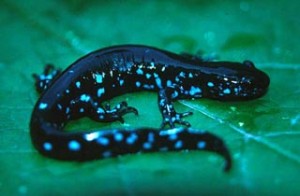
42 81
108 114
170 116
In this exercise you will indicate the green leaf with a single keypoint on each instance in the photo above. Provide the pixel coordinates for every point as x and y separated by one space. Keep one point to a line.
263 135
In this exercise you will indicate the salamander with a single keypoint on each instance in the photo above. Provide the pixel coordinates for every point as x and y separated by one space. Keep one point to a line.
81 90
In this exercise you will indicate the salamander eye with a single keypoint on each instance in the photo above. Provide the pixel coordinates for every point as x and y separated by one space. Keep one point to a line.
249 64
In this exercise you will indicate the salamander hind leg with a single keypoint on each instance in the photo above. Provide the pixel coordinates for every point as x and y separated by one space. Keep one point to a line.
170 116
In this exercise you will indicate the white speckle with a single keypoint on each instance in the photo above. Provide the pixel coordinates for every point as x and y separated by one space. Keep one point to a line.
201 145
118 137
139 72
178 144
99 78
138 84
146 86
152 64
106 154
91 136
170 131
47 146
241 124
210 84
103 141
78 84
131 139
43 106
121 82
147 145
100 92
85 97
74 145
226 91
59 106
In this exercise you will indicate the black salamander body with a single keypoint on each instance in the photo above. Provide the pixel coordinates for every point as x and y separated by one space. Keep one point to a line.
82 88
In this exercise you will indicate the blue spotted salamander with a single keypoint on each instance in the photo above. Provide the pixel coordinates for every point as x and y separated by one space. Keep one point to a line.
82 88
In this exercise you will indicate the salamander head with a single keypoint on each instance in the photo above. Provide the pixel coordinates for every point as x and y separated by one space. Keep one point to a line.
236 81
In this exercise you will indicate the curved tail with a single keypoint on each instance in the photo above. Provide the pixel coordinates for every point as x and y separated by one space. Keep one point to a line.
84 146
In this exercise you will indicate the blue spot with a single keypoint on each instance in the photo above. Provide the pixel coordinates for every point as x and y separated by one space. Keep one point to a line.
121 82
175 94
103 141
85 97
67 91
100 92
195 90
191 75
81 110
67 110
139 72
151 137
236 90
169 83
201 145
47 146
148 75
43 106
118 137
210 84
78 84
131 139
100 110
99 78
182 74
74 145
138 84
158 80
173 137
147 145
226 91
178 144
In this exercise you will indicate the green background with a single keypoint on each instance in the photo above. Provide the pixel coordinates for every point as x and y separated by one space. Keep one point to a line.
263 135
